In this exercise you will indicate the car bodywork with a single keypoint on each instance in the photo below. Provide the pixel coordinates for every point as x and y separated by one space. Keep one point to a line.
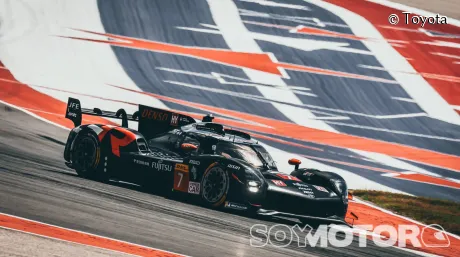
172 152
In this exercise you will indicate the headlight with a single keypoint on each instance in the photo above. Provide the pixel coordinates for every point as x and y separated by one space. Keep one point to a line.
253 183
254 189
253 186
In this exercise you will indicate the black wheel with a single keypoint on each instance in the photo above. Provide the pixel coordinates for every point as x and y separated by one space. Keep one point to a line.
214 185
86 156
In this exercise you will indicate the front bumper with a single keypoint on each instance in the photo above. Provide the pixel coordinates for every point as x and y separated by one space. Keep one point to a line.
299 204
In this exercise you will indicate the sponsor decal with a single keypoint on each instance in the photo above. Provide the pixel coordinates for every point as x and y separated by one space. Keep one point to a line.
297 184
71 114
71 107
320 188
236 206
194 162
181 180
278 183
160 166
303 187
311 196
141 162
287 177
174 119
194 187
194 173
74 106
154 115
306 189
181 167
231 166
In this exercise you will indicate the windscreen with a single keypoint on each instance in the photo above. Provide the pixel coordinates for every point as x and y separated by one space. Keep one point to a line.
266 156
239 151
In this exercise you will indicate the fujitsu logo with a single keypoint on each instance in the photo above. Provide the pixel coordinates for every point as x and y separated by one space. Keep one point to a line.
160 166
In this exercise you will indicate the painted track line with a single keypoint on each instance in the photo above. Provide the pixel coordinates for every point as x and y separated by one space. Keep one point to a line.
79 237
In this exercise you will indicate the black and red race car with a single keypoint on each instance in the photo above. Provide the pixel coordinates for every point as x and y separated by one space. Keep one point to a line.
222 167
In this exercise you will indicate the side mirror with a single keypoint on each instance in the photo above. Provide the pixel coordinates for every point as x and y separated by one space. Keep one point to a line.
294 161
188 147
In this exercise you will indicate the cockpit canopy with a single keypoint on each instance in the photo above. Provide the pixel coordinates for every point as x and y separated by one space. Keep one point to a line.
213 138
255 155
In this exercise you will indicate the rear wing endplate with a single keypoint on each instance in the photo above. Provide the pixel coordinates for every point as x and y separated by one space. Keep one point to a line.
74 113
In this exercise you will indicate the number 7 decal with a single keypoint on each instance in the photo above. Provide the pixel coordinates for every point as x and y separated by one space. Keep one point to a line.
181 180
181 175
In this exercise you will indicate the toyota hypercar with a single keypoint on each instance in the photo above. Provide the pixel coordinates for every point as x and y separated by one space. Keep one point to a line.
219 166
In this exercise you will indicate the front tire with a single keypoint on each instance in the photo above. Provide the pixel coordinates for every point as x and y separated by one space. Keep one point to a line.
214 185
86 156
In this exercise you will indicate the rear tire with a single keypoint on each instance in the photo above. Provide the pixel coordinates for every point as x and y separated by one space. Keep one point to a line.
214 185
86 155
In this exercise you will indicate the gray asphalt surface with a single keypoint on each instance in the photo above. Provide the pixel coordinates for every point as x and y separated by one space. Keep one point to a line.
35 184
32 245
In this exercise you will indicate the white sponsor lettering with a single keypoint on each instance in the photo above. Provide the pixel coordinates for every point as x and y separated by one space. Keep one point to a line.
141 162
74 106
71 114
231 166
160 166
235 206
308 195
194 162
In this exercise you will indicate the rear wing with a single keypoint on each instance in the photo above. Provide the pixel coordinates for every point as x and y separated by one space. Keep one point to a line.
74 113
151 121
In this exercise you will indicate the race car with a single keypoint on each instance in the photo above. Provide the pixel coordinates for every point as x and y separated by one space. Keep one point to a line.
221 167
